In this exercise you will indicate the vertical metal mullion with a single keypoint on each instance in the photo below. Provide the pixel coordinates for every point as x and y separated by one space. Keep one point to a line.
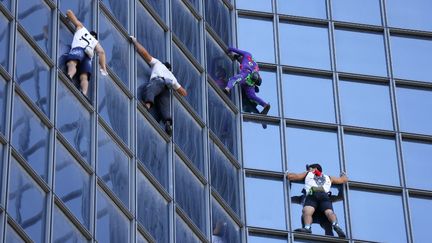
133 188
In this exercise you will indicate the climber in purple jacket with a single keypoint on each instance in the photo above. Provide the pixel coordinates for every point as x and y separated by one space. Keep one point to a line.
248 78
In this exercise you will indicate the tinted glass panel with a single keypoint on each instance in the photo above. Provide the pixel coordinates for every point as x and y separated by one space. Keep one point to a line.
32 75
218 17
30 137
318 105
7 3
64 230
3 98
224 229
150 34
358 11
418 16
410 58
387 206
417 157
12 236
4 42
113 166
35 16
120 10
262 46
73 121
253 238
267 91
261 147
413 106
186 27
257 5
360 52
184 233
304 45
153 211
64 46
373 111
26 203
159 6
368 156
2 160
265 206
81 8
314 8
420 219
72 185
141 239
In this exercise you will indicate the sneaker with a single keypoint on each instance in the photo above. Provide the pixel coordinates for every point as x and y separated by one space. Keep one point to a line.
227 91
266 109
339 231
168 128
304 230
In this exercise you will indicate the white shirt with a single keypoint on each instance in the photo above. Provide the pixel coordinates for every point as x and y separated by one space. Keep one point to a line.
83 38
311 180
159 70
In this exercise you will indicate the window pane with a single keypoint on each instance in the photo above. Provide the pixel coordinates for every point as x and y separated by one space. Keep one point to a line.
4 42
35 16
360 52
114 107
419 219
318 105
218 17
417 156
375 111
188 136
26 203
150 34
64 230
358 11
418 120
73 121
2 160
262 44
267 92
7 4
310 146
116 48
387 207
159 6
113 166
12 236
256 5
224 177
189 77
265 205
141 239
411 58
152 150
184 233
304 45
314 8
3 102
418 17
82 9
190 194
153 210
72 185
186 27
64 46
368 156
261 146
224 229
33 75
120 10
255 238
30 137
112 226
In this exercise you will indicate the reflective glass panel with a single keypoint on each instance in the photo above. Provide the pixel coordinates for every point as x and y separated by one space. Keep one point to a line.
35 16
224 177
357 11
265 206
360 52
33 75
114 107
153 210
309 146
418 17
150 34
188 136
368 156
261 146
152 150
111 225
26 203
262 46
64 231
255 238
195 4
81 8
113 166
304 45
375 111
186 27
256 5
12 236
190 194
224 229
141 239
30 137
311 8
159 6
119 8
218 16
116 49
4 42
73 121
3 98
184 233
389 208
267 92
7 4
417 157
72 185
411 58
317 105
2 159
413 106
189 77
64 46
419 219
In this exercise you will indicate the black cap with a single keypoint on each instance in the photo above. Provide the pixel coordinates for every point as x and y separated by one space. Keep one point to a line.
93 33
167 65
316 166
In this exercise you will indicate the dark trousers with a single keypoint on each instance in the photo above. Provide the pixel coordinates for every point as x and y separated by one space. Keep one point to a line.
157 93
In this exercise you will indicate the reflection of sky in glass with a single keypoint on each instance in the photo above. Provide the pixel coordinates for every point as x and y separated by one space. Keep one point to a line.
4 42
256 5
267 239
63 229
268 91
310 8
412 14
357 11
420 218
261 32
414 110
417 156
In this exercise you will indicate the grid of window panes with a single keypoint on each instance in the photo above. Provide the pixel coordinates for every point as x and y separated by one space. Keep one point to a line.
349 83
103 169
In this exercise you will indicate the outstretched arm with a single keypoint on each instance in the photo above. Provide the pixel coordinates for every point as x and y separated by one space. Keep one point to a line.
238 51
141 50
296 177
74 19
339 180
102 58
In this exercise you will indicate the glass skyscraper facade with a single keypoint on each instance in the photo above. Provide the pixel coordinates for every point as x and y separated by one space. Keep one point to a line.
349 83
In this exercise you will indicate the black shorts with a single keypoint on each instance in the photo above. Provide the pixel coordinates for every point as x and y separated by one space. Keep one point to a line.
319 200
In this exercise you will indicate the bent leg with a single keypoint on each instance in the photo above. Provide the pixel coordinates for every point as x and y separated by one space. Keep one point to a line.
71 68
250 93
84 80
307 213
238 78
